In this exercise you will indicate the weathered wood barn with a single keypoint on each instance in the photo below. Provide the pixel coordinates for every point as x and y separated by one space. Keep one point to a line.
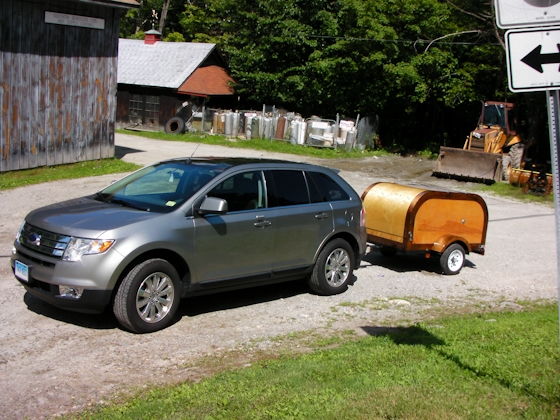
156 78
58 80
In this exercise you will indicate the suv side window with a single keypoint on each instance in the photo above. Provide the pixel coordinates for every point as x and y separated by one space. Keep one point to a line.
323 188
286 188
243 191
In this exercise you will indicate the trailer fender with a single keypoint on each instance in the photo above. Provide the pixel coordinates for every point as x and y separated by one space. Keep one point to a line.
443 242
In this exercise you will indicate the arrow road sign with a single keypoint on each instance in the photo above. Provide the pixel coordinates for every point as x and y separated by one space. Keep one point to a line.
536 59
533 59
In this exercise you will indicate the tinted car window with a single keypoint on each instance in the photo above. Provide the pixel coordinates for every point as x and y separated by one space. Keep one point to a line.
314 194
242 191
327 188
286 188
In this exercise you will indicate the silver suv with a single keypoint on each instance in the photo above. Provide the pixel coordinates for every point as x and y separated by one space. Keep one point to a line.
183 227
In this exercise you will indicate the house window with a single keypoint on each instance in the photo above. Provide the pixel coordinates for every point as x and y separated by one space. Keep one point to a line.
136 107
144 109
152 110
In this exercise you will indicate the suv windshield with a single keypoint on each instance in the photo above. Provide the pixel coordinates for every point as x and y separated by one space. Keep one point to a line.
162 187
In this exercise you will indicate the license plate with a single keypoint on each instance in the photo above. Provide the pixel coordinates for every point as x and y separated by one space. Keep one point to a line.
22 271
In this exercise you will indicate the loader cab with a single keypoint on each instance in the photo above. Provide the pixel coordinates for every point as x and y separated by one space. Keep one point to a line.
498 114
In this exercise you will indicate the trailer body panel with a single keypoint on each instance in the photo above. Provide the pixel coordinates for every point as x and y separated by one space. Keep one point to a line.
414 219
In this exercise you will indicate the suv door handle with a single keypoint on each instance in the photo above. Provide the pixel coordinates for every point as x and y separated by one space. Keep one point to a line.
321 216
261 222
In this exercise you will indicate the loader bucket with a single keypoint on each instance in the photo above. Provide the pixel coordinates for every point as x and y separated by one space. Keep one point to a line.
468 165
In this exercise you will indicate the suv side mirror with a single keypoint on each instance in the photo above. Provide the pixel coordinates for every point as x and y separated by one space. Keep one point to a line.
213 205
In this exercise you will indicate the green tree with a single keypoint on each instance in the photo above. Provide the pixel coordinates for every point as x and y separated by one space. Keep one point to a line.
162 15
422 66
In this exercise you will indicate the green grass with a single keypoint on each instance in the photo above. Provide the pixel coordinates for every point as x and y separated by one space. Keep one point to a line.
503 189
488 366
14 179
275 146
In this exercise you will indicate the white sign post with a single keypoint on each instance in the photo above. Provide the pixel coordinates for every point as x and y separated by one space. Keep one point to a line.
553 103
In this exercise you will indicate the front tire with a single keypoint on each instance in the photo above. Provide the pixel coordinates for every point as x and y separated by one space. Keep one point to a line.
148 297
453 259
333 268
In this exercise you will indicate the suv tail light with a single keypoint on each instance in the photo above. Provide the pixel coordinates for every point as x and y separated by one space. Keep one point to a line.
363 217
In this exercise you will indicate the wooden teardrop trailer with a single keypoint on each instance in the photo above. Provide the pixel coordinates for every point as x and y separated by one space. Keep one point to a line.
447 225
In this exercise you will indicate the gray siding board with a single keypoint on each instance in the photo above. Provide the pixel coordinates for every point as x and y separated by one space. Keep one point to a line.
5 163
58 84
41 48
20 95
19 116
36 103
95 144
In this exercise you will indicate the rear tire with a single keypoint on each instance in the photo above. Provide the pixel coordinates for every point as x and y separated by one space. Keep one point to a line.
333 268
453 259
148 297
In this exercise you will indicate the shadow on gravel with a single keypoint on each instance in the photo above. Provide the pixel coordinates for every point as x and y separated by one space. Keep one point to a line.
121 151
403 263
198 305
190 307
105 321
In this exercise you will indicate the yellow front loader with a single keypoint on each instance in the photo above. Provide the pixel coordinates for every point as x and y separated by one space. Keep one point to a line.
490 151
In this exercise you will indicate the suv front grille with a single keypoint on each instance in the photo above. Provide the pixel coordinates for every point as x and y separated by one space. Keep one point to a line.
43 242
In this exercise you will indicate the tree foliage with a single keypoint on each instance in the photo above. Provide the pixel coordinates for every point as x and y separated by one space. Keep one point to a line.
421 65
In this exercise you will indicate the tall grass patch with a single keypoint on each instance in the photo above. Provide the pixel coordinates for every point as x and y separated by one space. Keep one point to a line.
14 179
504 189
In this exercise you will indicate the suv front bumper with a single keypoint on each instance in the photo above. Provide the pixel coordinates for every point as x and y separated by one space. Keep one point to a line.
45 275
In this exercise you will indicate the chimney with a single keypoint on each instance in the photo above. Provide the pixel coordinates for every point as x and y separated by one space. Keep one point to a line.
152 36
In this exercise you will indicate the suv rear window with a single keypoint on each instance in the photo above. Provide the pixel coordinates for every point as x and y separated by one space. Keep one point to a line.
289 188
322 188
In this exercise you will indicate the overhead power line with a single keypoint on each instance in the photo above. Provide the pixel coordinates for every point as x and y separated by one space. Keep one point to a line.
407 41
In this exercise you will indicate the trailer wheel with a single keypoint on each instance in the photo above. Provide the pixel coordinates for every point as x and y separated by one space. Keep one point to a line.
175 125
453 259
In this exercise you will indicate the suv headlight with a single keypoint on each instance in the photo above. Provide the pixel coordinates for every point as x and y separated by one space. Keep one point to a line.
79 246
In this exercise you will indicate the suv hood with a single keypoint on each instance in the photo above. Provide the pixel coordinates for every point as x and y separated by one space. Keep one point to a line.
85 217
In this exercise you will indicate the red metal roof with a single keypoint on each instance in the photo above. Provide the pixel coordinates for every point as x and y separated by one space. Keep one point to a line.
210 80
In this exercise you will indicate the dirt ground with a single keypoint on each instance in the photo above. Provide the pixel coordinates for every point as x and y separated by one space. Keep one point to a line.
54 362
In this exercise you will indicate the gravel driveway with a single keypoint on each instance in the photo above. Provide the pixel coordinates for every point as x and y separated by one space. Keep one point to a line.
54 362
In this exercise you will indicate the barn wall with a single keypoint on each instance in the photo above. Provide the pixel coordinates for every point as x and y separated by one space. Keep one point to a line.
57 84
169 103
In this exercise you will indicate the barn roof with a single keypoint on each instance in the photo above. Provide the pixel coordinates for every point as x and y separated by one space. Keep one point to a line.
163 64
191 68
209 80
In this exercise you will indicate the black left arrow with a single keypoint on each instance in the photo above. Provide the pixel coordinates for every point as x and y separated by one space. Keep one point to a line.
535 59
